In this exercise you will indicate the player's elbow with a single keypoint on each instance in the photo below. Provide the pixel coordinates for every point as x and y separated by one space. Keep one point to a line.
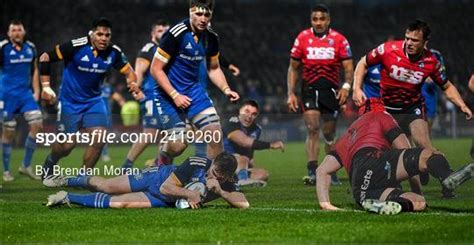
44 57
241 205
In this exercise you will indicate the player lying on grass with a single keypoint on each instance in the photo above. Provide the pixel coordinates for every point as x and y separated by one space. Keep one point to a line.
376 156
241 138
157 187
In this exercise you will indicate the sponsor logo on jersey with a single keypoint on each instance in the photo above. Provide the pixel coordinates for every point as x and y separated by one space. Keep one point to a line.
12 52
320 53
406 75
85 58
189 46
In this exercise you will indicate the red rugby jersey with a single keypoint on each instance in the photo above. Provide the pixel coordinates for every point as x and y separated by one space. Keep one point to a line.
321 56
401 79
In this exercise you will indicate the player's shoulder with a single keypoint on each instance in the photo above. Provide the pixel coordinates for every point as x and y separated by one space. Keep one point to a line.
305 33
199 161
4 43
79 42
211 32
335 34
148 47
180 29
115 48
234 120
31 44
434 54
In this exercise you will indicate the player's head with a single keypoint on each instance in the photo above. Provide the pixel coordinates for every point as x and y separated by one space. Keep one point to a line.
200 13
371 104
416 35
101 33
158 29
320 18
16 31
223 167
248 112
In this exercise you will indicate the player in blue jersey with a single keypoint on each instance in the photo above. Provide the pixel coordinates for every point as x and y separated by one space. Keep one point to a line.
108 96
21 90
242 138
87 61
157 187
151 122
176 68
371 85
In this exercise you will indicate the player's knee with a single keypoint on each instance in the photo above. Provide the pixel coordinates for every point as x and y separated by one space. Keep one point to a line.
313 129
411 161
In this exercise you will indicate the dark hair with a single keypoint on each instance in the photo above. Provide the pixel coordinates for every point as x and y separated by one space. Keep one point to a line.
209 4
420 25
16 22
159 22
102 21
250 103
321 7
226 164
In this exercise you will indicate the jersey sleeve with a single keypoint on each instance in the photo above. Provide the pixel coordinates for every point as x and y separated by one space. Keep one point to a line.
376 56
344 51
63 51
169 46
439 73
212 51
390 127
193 169
231 125
121 61
146 52
297 49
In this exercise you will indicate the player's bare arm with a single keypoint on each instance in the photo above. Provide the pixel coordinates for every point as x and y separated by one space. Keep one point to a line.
292 81
357 94
117 97
132 85
36 82
235 199
172 187
453 95
47 93
323 181
141 66
343 93
471 83
158 73
217 78
241 139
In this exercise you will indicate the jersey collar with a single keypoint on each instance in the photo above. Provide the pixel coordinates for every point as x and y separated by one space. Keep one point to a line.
324 35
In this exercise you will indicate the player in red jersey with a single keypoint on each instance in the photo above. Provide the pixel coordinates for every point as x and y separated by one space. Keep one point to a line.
406 65
319 51
377 157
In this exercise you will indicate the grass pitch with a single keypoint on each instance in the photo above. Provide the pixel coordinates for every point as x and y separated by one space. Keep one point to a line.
283 212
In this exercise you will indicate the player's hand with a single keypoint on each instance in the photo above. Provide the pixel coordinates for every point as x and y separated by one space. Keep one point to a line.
182 101
277 145
235 70
214 186
194 199
138 96
327 206
133 87
292 103
358 96
467 112
342 95
233 96
48 95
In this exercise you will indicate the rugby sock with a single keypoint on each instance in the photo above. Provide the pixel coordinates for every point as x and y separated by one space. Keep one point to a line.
127 164
93 200
243 174
30 147
48 165
7 152
105 150
78 181
438 166
312 165
201 149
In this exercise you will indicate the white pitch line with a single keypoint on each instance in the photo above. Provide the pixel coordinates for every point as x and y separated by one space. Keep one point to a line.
302 210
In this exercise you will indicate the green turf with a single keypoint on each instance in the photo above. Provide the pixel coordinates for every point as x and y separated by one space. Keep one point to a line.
285 211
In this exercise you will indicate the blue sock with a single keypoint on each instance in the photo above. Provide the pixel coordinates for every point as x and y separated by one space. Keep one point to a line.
7 152
201 149
243 174
93 200
30 147
127 164
105 150
78 181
